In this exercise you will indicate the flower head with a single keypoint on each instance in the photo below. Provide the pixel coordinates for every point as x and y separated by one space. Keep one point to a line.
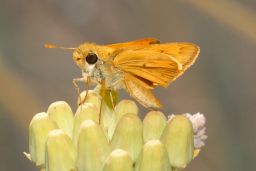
102 138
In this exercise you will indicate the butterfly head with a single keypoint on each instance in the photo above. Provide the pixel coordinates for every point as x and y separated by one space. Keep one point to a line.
86 56
89 57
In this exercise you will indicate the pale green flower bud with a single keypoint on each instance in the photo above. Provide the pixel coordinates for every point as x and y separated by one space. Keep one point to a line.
62 114
178 139
87 111
118 160
128 135
92 147
39 128
107 112
60 152
153 157
122 108
92 97
153 125
107 121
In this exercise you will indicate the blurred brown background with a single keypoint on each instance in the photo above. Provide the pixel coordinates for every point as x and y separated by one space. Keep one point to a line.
221 84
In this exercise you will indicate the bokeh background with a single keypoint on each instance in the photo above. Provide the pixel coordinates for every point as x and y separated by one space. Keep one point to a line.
221 84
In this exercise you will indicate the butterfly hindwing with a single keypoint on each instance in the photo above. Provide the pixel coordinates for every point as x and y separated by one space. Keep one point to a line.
141 92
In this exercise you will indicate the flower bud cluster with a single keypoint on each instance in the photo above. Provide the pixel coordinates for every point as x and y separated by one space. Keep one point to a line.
100 138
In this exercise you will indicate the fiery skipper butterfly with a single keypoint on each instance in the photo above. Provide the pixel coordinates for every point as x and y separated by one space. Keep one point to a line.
137 66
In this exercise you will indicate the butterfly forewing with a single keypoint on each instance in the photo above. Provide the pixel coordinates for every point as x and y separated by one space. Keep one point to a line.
185 53
155 67
151 65
136 43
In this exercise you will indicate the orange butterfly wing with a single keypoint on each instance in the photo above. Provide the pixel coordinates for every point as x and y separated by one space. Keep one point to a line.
141 91
185 53
135 43
155 67
145 67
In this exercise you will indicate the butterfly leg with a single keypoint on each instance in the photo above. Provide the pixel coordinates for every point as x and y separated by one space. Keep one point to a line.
88 80
75 81
102 93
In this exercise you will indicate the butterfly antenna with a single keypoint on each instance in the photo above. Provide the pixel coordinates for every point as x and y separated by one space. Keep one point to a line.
51 46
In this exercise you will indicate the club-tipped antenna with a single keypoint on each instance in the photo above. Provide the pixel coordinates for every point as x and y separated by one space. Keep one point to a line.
51 46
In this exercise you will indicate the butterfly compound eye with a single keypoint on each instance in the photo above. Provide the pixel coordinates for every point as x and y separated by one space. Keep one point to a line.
91 58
